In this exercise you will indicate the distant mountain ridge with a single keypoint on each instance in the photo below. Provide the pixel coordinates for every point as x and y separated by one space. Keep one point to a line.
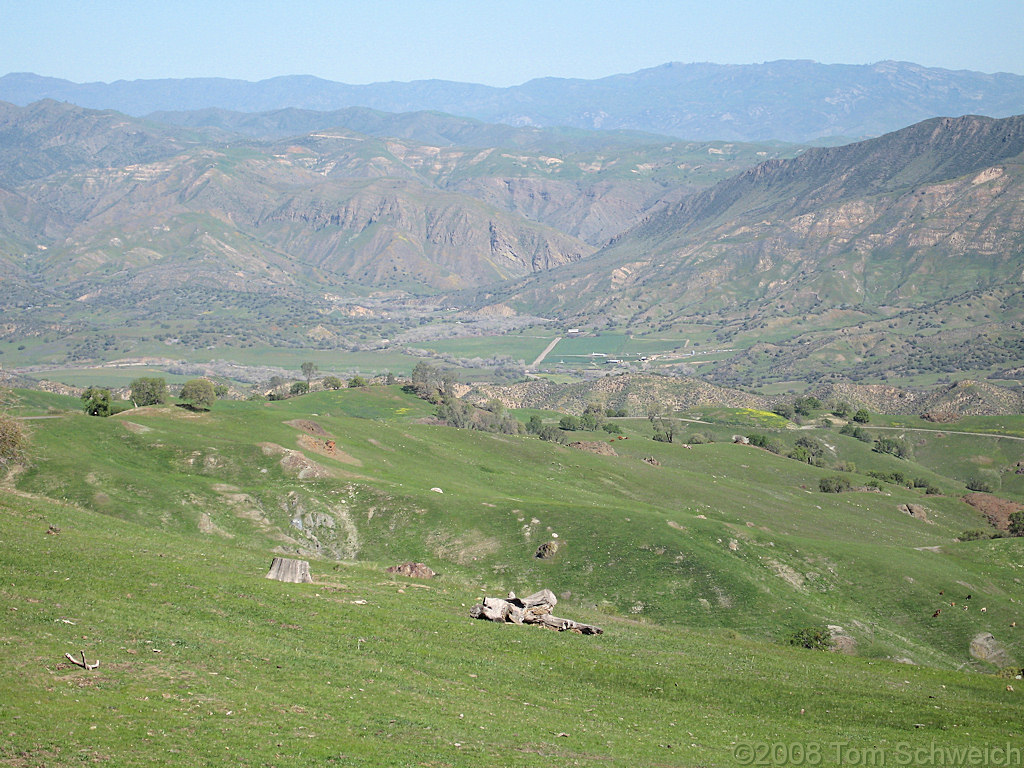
785 100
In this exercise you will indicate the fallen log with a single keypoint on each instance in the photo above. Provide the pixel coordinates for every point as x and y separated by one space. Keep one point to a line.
289 570
83 663
534 609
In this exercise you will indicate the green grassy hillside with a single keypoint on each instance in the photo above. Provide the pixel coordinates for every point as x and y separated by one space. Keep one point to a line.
143 540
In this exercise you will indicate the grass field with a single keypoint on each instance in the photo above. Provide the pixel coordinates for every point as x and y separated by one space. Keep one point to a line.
698 564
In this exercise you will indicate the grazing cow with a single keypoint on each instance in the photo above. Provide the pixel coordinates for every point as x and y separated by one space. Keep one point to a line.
937 612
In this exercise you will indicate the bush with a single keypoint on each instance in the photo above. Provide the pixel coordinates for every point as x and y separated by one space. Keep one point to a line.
534 425
356 381
834 484
984 481
612 429
974 534
13 440
299 388
1016 524
330 382
815 638
862 416
96 401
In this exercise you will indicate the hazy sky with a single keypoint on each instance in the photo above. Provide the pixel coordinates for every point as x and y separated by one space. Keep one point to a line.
496 43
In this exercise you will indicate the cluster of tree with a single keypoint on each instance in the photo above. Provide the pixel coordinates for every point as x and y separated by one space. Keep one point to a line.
894 446
493 418
858 432
763 441
899 478
808 449
593 418
432 383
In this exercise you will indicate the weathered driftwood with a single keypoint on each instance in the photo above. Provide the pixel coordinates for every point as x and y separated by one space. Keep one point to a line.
534 609
292 571
83 663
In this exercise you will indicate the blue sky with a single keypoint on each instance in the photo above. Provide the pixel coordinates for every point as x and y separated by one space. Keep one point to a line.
496 43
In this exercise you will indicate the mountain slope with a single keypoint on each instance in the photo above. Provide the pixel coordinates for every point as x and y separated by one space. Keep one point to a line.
788 100
915 230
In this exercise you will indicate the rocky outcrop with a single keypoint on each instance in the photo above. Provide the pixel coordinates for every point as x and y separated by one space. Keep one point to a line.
985 647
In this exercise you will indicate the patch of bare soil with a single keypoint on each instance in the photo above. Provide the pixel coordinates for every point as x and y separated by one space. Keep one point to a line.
294 463
327 448
995 509
602 449
138 429
206 525
308 426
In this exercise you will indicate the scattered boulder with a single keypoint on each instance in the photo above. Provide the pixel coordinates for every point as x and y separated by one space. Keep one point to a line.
741 439
985 647
916 511
652 461
291 571
841 641
602 449
436 490
547 550
412 570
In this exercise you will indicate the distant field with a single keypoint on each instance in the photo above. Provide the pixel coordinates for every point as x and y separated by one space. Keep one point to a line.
525 348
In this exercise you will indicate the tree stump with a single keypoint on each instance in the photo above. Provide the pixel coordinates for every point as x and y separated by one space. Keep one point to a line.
291 571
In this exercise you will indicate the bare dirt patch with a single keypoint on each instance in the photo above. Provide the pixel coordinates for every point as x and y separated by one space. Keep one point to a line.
995 509
308 426
206 525
327 448
294 463
138 429
602 449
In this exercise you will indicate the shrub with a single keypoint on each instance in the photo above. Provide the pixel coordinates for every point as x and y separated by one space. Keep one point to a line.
13 440
834 484
816 638
534 425
330 382
96 401
1016 524
569 423
299 388
612 429
973 534
862 416
357 381
984 481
